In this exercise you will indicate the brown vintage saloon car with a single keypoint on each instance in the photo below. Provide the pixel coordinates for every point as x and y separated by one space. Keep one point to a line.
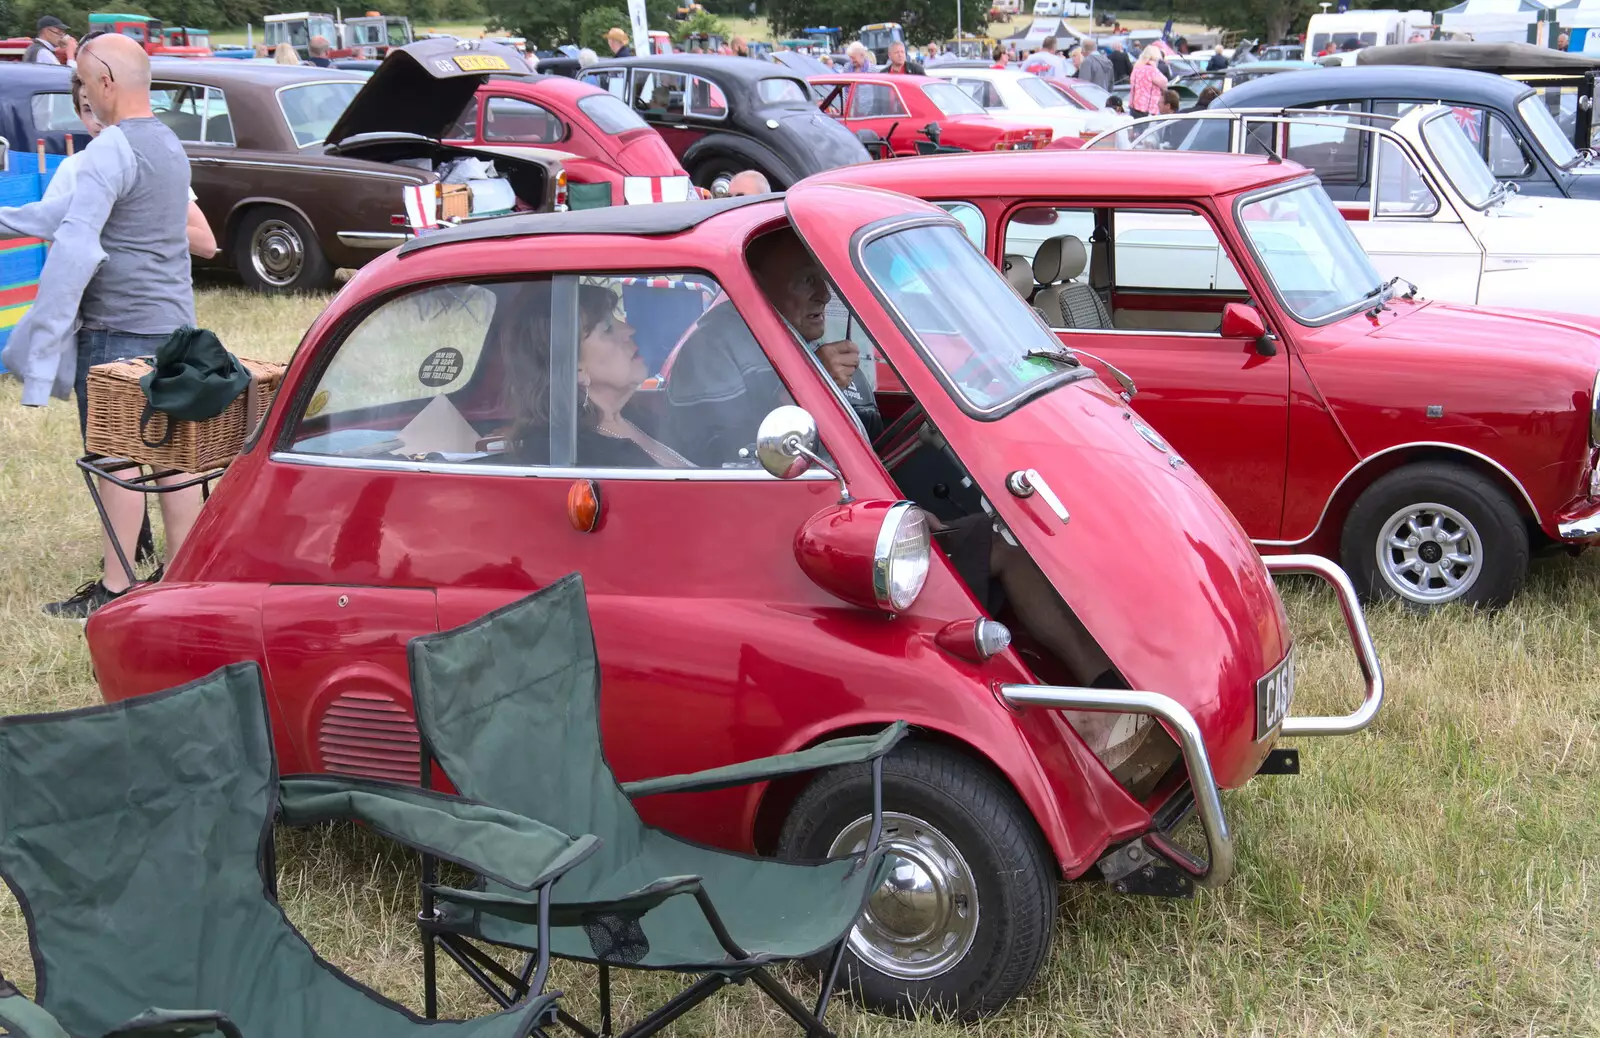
302 170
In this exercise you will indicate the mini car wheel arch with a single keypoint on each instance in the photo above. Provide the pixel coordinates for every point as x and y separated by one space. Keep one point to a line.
1431 533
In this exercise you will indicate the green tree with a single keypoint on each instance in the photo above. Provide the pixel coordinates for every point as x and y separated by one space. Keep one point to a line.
700 21
549 23
596 22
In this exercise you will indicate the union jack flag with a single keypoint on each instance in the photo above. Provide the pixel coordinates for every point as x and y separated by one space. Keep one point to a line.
1470 120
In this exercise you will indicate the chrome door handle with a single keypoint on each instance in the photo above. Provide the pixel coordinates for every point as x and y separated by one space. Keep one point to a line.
1027 482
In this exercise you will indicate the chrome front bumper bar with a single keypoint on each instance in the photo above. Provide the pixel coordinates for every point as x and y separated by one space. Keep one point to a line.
1355 621
1580 529
1181 723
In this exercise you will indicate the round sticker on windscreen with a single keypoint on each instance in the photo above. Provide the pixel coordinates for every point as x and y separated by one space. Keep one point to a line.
441 367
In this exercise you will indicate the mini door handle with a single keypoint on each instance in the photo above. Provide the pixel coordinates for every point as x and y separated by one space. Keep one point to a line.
1027 482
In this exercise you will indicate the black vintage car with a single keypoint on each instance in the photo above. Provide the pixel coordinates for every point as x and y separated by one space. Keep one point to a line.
1518 128
1565 81
721 115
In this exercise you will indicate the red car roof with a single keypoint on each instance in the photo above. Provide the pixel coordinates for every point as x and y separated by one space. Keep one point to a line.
1148 174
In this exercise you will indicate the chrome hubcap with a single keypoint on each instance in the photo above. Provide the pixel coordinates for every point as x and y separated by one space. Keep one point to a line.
923 919
1429 553
721 185
277 252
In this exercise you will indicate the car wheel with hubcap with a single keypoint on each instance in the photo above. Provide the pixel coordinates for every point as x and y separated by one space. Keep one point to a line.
716 174
1434 533
963 920
275 252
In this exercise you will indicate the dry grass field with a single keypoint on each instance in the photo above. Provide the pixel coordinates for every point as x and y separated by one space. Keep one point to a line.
1436 876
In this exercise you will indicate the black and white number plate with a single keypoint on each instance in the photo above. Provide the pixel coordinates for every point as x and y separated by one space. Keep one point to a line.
1274 696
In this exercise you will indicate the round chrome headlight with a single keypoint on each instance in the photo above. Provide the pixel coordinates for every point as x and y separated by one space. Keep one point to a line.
900 563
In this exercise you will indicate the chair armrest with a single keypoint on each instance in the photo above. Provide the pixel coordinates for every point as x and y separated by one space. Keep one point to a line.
854 749
176 1023
574 913
24 1017
517 852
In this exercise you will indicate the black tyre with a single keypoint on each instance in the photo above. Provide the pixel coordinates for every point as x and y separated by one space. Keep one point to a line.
714 173
1433 533
964 922
275 252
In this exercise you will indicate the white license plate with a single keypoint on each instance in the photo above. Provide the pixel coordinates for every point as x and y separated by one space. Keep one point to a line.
1274 696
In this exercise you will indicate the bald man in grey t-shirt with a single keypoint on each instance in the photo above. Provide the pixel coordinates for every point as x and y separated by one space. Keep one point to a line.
118 269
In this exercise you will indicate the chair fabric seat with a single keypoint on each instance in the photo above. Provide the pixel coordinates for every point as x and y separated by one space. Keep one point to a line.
774 910
509 706
137 837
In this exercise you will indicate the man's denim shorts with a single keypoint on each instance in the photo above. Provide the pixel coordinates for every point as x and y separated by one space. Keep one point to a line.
99 346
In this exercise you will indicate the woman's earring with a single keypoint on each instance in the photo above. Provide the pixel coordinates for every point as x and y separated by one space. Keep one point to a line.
585 387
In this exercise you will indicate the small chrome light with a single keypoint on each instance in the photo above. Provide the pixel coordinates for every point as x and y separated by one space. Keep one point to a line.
991 638
1594 412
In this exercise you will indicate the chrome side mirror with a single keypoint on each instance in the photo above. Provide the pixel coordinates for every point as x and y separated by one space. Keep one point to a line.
786 446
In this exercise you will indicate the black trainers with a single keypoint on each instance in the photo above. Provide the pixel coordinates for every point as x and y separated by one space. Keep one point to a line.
84 601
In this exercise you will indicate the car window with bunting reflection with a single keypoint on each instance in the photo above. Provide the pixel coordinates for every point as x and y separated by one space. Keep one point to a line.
563 372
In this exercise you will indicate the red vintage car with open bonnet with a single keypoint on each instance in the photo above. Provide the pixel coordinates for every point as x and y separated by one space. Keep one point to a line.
1428 446
920 114
474 416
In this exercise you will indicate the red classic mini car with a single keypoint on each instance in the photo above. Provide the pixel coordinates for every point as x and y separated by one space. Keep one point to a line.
1428 446
599 139
472 418
918 114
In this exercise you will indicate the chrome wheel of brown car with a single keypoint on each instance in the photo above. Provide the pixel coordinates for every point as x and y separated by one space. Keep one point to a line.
277 252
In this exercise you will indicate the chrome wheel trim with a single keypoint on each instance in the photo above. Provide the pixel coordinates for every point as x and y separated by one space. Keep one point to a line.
924 918
1429 553
277 252
721 184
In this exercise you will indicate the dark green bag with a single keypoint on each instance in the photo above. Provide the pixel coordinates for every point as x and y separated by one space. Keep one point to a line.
191 379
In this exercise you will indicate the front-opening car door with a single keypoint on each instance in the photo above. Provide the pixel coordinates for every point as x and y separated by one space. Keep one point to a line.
1085 486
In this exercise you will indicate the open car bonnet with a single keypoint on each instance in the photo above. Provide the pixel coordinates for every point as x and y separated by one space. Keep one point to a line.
1141 548
423 87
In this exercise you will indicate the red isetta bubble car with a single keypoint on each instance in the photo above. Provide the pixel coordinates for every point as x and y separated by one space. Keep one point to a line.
472 418
1427 446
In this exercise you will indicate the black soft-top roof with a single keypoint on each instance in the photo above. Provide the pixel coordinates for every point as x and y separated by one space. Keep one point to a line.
646 221
711 66
1484 57
1358 82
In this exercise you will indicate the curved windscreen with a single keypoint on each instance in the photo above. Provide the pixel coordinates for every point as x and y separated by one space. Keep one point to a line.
1547 131
782 92
987 346
1307 251
311 109
1042 93
1460 159
951 99
612 116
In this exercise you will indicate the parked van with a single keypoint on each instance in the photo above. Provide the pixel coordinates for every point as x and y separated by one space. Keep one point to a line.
1368 28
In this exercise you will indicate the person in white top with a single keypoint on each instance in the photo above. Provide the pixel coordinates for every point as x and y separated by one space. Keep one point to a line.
1047 64
50 34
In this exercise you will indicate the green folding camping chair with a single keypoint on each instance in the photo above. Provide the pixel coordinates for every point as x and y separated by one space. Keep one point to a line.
137 838
509 707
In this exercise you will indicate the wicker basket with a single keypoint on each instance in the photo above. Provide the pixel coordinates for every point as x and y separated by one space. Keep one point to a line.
116 403
455 201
